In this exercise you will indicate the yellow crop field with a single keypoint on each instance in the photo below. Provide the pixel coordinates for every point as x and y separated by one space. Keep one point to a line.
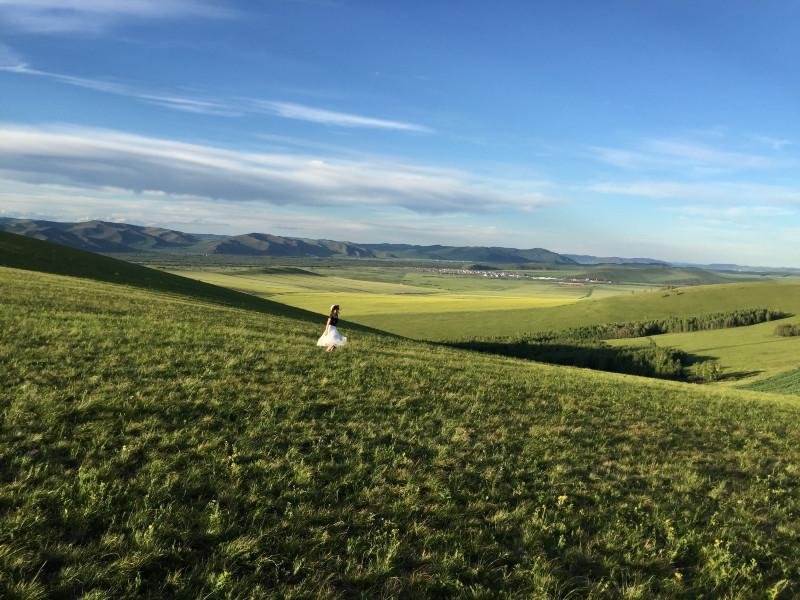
360 297
358 304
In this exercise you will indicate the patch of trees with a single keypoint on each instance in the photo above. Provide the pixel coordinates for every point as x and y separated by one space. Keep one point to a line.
651 361
586 346
632 329
787 330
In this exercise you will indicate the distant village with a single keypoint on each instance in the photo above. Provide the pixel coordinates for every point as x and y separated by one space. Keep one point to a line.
516 275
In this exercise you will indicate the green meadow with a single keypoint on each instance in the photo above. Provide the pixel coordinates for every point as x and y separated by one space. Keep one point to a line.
163 438
422 304
752 353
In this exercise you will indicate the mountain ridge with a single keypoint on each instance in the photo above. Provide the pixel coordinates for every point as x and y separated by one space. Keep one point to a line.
117 238
109 237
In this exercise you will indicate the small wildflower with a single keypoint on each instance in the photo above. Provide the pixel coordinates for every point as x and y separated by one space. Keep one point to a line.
678 576
562 500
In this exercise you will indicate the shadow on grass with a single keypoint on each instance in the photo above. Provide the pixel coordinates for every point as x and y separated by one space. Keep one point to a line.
737 375
657 362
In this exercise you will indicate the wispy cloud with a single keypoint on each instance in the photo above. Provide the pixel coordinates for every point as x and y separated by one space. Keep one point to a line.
691 157
12 63
168 100
733 213
9 59
720 192
92 158
61 16
290 110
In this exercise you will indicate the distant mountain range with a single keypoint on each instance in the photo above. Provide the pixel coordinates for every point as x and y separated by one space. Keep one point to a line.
107 237
585 259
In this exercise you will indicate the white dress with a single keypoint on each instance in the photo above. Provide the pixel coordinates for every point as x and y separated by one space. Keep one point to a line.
331 337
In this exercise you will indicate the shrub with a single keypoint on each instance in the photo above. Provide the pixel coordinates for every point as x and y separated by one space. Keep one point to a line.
787 330
709 370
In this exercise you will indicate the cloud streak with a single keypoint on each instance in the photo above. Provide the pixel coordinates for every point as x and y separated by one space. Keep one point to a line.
173 101
722 192
11 63
290 110
104 159
70 16
688 156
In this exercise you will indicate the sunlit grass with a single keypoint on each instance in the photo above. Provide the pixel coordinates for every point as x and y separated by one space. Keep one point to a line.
745 353
154 445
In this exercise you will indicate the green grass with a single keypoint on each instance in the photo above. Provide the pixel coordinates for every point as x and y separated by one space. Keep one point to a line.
156 445
624 307
745 353
31 254
426 305
783 383
390 299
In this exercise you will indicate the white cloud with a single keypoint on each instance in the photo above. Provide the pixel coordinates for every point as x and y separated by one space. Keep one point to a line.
9 62
173 101
733 213
301 112
101 159
59 16
200 215
691 157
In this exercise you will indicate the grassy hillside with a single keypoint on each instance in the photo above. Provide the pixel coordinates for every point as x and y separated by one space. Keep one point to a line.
22 252
153 445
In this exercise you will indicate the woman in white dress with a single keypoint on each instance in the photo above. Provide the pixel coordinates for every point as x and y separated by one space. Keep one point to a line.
332 338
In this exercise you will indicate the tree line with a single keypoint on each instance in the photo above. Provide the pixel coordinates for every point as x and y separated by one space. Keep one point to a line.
633 329
586 346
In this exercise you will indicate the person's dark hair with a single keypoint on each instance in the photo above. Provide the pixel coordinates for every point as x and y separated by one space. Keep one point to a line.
334 307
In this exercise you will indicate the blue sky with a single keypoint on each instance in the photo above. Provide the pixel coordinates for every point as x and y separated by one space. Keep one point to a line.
664 128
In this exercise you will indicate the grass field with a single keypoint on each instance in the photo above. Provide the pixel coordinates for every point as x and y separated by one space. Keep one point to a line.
752 353
787 382
620 308
412 303
156 444
388 297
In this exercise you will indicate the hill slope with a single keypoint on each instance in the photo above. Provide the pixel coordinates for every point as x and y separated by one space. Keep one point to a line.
153 445
22 252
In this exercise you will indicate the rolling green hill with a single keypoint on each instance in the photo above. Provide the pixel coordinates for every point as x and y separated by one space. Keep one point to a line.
158 445
21 252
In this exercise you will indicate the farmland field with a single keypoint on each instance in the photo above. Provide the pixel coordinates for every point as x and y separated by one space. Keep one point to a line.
436 307
158 443
410 302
